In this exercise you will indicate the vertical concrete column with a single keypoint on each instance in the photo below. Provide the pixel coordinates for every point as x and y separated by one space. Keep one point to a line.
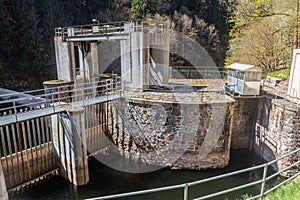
63 52
69 141
94 62
3 191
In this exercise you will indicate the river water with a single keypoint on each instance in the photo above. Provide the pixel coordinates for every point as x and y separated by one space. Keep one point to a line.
104 181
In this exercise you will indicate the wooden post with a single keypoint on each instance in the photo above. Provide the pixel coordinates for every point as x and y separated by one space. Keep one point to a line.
3 191
69 142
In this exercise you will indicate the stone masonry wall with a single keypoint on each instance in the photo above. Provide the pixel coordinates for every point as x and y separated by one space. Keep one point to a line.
180 136
277 132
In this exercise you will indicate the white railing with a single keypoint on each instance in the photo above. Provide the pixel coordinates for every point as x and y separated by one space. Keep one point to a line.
13 102
196 72
185 187
108 28
280 90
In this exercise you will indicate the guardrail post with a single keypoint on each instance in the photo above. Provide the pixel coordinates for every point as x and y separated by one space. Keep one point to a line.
52 102
82 95
186 192
263 181
58 94
15 110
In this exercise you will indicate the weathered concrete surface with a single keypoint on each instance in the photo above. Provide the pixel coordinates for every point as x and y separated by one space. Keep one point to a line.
3 191
69 141
145 59
277 132
243 122
181 131
108 53
63 52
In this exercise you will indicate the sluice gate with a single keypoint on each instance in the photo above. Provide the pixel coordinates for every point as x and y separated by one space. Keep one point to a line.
52 131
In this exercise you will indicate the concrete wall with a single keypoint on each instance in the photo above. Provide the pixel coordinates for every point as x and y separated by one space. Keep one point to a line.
66 61
135 59
268 126
108 52
180 136
63 55
243 122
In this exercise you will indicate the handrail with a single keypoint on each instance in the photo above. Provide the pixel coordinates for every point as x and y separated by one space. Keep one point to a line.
193 72
106 28
55 96
49 97
186 186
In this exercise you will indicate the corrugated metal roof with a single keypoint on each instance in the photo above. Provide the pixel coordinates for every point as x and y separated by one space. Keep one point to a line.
240 67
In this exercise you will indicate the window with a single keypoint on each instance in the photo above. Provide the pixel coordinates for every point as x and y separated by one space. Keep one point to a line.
240 75
232 73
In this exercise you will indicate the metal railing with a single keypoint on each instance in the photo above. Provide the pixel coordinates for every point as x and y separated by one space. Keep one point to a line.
13 103
196 72
280 90
108 28
185 187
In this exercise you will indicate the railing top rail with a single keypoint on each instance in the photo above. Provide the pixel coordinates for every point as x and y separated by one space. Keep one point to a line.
44 97
107 27
140 192
181 186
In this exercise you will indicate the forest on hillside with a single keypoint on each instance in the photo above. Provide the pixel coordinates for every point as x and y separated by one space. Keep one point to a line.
259 32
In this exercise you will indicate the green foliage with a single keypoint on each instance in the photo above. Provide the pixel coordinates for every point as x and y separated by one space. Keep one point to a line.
261 33
139 9
246 196
205 34
281 74
286 192
27 28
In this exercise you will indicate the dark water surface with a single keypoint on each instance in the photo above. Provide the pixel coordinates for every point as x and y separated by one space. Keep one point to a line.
105 181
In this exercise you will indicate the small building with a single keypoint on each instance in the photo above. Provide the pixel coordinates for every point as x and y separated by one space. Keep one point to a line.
243 79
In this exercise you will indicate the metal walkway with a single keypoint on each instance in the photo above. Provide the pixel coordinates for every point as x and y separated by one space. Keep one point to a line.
32 114
18 106
23 116
105 31
96 100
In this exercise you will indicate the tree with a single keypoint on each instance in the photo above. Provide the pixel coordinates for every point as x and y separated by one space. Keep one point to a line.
262 45
262 33
139 9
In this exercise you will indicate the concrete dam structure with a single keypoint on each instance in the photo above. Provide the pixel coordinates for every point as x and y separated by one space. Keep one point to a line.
116 92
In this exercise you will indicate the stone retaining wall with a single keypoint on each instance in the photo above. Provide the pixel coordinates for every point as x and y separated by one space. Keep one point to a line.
174 134
277 132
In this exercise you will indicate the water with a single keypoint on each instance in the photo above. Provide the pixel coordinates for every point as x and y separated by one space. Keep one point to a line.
104 181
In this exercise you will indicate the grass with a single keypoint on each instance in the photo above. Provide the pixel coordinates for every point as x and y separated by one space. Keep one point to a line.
281 74
289 191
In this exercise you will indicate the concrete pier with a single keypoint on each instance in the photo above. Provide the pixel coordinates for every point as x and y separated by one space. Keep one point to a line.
69 142
3 192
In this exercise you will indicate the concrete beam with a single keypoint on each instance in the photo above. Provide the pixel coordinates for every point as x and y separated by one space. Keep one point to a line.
93 38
